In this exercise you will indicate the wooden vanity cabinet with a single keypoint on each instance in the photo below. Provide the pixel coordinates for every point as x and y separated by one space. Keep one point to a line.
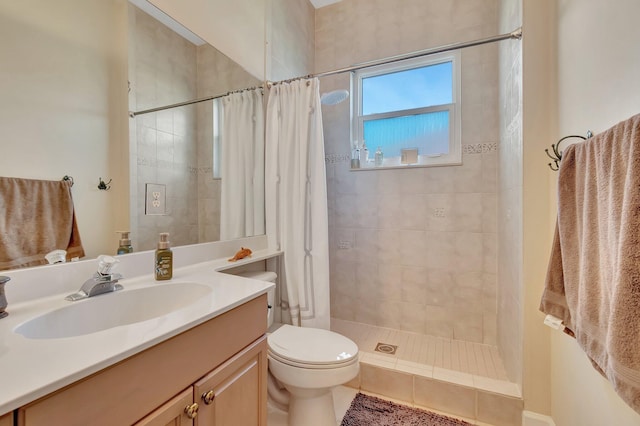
172 413
234 394
6 420
226 355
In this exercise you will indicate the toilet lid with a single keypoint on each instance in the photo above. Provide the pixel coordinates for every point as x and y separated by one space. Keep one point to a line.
311 346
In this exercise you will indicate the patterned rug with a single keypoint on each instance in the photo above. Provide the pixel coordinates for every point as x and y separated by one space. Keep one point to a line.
368 410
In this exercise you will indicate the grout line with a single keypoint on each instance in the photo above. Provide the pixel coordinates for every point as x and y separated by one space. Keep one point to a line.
446 354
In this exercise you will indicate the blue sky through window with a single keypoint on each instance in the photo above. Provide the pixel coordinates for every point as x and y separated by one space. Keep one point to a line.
408 89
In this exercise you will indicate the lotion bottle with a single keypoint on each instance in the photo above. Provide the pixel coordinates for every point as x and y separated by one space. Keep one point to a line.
125 243
164 258
379 158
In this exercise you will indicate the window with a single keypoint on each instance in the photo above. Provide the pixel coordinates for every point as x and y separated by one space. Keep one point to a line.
408 107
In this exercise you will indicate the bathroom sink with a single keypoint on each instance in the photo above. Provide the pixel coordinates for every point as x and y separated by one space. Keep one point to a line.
112 310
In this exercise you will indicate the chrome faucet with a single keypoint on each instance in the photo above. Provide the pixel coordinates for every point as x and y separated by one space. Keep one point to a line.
103 281
3 298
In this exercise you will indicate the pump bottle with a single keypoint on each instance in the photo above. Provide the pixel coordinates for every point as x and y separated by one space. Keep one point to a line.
125 243
164 258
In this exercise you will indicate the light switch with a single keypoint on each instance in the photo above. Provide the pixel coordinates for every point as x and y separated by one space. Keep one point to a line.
156 199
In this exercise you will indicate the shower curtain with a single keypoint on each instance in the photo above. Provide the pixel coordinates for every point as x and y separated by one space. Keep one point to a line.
296 200
242 165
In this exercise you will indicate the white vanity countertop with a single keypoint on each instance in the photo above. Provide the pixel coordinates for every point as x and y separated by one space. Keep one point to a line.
33 368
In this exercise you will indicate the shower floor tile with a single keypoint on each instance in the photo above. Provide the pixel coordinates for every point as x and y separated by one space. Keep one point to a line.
465 363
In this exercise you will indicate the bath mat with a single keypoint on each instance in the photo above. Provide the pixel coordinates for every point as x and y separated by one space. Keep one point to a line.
368 410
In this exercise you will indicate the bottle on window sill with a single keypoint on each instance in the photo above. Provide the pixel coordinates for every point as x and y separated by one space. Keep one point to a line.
379 158
365 153
355 158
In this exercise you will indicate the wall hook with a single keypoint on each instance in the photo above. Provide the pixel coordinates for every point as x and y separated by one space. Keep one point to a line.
556 156
104 186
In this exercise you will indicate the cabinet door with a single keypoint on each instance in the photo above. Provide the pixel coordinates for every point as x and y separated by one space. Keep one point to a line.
173 413
235 394
6 420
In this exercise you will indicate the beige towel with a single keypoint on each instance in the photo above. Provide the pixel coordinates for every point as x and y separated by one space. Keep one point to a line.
37 217
593 280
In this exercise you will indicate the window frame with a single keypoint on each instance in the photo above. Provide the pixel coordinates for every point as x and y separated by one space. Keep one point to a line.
454 157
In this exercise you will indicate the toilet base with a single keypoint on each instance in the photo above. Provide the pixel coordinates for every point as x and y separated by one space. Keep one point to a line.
311 407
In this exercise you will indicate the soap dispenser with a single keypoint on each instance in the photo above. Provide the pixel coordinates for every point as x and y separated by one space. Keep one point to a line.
125 243
164 258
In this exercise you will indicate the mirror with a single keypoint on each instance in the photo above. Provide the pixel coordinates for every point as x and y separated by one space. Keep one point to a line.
174 148
64 110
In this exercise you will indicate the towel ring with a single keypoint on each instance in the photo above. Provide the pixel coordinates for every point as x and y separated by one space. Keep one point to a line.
68 178
557 152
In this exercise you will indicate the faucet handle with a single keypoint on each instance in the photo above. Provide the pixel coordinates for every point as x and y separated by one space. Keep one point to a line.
106 264
3 298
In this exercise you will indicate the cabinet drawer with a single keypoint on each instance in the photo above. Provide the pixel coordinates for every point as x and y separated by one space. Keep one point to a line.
126 392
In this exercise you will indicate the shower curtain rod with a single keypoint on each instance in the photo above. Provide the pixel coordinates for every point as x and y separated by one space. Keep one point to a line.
515 34
132 114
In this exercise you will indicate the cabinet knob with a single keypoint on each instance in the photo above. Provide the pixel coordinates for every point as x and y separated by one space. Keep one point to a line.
208 397
191 410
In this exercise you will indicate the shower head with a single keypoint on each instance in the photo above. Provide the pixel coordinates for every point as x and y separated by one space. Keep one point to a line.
334 98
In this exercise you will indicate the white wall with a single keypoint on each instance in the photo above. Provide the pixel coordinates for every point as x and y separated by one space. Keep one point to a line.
63 105
539 117
598 86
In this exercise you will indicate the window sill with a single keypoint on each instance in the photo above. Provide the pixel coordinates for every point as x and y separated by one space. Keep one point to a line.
394 163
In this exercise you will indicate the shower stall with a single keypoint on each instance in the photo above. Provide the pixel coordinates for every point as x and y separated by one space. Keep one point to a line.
426 261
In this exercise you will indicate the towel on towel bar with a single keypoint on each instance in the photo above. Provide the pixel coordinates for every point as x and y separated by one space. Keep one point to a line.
593 278
37 217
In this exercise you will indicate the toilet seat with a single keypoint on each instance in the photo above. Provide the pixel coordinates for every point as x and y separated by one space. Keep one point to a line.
312 348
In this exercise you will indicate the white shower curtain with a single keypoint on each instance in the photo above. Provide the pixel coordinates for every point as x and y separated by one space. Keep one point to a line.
242 165
296 199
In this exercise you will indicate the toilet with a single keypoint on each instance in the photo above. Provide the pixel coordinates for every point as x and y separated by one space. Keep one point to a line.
308 363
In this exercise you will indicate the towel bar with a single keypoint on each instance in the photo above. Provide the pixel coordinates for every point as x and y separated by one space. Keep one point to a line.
557 153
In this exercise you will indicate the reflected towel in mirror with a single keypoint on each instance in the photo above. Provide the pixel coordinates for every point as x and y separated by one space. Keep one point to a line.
38 217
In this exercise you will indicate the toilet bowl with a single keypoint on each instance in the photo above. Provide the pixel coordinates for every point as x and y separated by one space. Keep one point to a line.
308 363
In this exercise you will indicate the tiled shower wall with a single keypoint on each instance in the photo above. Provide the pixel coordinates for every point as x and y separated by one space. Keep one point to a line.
510 289
174 147
414 249
165 152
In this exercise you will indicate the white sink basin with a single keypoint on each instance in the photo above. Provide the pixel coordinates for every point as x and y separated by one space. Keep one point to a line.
112 310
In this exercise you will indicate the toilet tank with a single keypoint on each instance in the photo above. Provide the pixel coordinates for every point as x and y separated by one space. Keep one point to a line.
271 294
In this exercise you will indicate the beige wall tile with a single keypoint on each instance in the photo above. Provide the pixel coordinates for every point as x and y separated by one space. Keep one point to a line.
392 211
445 396
499 410
386 382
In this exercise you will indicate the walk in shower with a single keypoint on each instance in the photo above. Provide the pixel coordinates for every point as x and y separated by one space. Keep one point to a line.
424 260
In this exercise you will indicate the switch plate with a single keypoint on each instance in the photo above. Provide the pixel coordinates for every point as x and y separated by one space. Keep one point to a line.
155 199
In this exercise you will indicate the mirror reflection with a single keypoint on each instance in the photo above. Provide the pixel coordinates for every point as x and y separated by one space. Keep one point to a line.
64 111
193 161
